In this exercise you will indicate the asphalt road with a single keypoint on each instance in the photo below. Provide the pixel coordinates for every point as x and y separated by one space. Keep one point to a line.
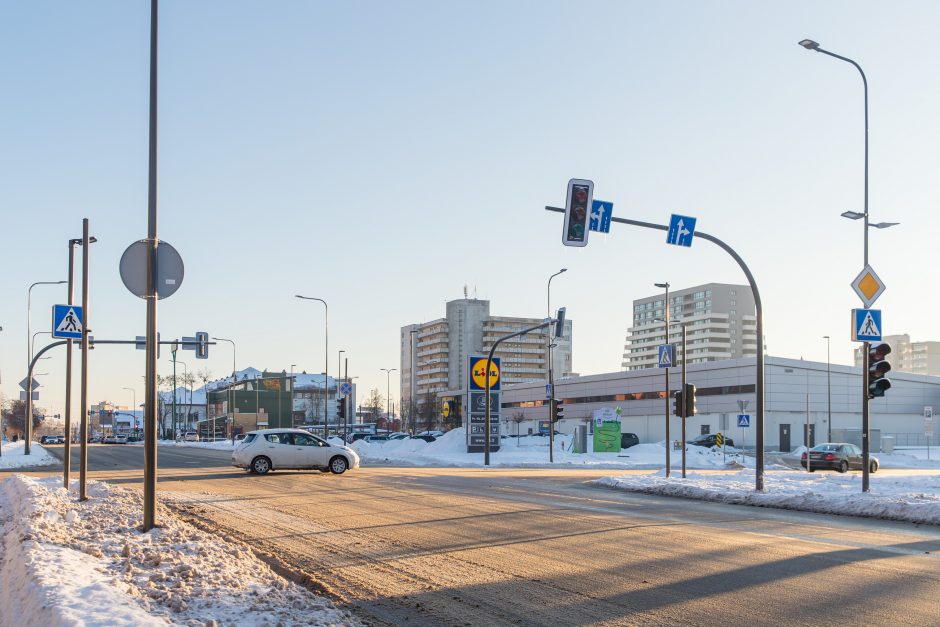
106 457
449 546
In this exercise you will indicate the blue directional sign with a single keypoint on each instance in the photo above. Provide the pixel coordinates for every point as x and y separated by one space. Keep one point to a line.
601 212
681 230
67 322
744 420
866 325
667 355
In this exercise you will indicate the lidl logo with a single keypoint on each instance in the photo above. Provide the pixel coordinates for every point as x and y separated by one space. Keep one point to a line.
478 373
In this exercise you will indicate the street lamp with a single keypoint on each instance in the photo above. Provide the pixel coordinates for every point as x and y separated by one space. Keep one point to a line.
326 352
412 379
666 322
828 391
388 395
134 411
232 387
551 374
29 319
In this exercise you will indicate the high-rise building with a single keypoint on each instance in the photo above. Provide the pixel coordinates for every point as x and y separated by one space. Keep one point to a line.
720 324
440 349
908 356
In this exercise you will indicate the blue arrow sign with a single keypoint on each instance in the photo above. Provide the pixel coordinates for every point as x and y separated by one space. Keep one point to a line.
681 230
67 322
744 420
601 212
667 355
866 325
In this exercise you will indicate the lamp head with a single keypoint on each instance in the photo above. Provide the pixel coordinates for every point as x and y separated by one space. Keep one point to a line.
662 285
809 44
884 225
852 215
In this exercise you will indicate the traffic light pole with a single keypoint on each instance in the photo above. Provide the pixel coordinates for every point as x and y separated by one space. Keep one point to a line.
684 360
866 448
759 383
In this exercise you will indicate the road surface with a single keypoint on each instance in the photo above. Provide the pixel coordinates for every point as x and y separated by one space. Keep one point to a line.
450 546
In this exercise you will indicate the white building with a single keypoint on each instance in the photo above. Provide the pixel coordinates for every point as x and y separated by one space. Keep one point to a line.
440 350
796 392
720 324
908 356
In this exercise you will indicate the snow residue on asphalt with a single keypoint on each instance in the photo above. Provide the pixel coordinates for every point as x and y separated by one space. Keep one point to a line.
64 562
909 497
218 445
532 452
11 455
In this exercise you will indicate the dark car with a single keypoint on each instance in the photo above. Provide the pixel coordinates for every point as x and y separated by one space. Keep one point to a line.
708 440
628 439
839 456
426 437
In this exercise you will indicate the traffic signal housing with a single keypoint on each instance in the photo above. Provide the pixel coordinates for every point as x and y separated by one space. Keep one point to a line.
558 410
577 212
341 407
878 368
688 398
202 345
678 404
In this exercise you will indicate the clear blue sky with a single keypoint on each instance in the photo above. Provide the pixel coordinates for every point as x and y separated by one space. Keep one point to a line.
381 155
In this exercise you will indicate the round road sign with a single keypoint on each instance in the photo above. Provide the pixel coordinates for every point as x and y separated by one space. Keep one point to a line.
134 269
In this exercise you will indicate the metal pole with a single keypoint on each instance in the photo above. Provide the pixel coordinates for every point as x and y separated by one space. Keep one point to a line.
28 423
828 392
150 402
67 448
173 421
668 440
348 405
865 418
808 441
83 447
759 378
684 362
551 376
413 385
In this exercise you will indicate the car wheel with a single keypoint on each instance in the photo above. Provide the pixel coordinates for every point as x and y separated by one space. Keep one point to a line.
260 465
338 465
843 466
873 467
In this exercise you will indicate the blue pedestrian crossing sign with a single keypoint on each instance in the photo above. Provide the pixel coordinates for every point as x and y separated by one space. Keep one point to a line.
866 325
67 322
667 355
601 212
744 420
681 230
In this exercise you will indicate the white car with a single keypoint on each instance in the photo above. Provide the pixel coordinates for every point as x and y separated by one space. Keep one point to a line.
281 449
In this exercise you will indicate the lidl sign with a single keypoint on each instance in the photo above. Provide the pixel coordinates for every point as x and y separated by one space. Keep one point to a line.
478 373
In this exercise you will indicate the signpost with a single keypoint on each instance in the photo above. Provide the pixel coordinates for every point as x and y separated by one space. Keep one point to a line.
868 286
67 322
866 325
681 230
928 427
667 355
601 212
169 269
476 397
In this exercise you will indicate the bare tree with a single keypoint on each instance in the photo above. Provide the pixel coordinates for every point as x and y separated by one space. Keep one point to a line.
374 404
428 410
14 416
518 418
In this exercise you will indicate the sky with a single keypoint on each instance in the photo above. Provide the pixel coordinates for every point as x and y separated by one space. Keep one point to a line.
383 155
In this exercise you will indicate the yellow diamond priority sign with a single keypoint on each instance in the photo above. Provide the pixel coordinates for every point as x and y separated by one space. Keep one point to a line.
868 286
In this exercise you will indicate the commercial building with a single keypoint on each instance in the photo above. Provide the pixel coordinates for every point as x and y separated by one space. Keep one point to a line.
439 350
796 393
720 324
908 356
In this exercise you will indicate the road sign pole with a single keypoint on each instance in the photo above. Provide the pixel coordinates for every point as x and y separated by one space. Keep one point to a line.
83 447
67 448
865 430
684 361
668 440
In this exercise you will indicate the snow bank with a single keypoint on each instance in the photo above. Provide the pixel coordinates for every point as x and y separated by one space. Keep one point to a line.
909 497
63 562
11 455
532 452
218 445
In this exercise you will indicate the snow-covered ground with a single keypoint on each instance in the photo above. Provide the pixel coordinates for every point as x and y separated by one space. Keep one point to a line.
63 562
11 455
901 458
894 495
532 452
219 445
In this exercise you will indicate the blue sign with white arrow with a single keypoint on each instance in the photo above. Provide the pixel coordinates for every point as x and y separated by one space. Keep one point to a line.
681 230
744 420
667 353
601 212
866 325
67 322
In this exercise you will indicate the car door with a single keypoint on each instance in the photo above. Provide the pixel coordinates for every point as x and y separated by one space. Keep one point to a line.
856 459
308 451
278 446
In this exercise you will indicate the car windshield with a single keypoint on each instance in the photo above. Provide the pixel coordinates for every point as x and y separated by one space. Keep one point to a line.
826 448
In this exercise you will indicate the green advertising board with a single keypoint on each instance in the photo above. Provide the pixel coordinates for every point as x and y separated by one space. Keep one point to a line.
606 431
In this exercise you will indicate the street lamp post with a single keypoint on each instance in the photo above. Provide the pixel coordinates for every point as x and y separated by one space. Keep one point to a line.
666 322
326 352
232 387
828 391
388 395
134 411
27 422
551 376
809 44
412 406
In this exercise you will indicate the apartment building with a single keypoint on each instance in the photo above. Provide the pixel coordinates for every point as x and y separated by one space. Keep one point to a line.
720 320
440 349
908 356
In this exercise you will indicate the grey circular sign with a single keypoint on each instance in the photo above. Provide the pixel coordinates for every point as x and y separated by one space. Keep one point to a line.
134 269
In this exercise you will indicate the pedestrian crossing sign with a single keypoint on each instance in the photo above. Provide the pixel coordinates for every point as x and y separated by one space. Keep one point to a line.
67 322
866 325
667 355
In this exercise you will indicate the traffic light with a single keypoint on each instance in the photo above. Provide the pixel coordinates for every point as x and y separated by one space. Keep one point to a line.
341 407
560 323
558 410
678 404
878 367
577 212
688 397
202 345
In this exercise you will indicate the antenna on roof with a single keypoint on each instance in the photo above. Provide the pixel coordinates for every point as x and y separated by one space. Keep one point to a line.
465 290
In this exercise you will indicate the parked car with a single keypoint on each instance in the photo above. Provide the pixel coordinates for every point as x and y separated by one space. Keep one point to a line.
52 439
398 436
281 449
839 456
190 436
433 432
425 437
357 435
378 437
628 439
708 440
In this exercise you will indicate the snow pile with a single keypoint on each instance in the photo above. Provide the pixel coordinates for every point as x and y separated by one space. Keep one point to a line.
218 445
910 497
69 563
532 452
11 455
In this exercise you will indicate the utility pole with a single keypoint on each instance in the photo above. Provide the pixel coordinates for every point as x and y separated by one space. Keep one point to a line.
83 448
